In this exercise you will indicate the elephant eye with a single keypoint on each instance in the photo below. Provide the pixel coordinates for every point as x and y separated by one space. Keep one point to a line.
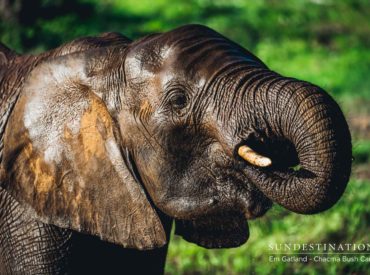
179 101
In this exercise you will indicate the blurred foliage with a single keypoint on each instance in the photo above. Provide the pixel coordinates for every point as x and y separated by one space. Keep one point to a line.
322 41
361 152
47 23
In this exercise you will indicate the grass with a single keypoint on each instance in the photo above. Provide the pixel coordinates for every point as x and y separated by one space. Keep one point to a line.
347 222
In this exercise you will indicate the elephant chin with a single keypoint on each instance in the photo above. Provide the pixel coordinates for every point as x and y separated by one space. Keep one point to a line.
216 231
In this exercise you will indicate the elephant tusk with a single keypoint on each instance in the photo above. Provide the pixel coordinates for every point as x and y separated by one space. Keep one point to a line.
253 157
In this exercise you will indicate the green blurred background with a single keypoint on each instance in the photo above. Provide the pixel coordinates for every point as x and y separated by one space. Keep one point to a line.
322 41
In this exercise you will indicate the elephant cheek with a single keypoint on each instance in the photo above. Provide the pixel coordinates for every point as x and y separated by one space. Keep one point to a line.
149 174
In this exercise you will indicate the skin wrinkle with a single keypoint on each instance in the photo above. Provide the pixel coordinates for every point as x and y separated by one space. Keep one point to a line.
319 111
219 96
197 47
21 239
191 40
275 88
256 88
221 108
111 94
147 135
309 108
317 130
301 136
243 82
198 52
297 107
249 101
288 120
203 54
269 83
216 77
245 90
255 91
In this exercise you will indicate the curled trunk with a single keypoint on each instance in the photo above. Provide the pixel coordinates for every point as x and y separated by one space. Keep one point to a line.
312 132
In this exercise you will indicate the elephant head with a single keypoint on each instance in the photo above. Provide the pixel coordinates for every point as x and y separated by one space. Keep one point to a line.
185 124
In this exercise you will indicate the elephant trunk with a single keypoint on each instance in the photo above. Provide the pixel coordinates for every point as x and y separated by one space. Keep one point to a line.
301 124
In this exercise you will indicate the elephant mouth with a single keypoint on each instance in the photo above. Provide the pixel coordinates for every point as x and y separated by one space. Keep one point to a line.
272 154
223 230
224 224
226 227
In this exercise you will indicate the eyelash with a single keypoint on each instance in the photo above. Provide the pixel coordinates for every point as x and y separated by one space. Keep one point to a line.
178 100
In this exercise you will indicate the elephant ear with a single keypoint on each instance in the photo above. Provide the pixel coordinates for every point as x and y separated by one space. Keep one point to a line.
64 162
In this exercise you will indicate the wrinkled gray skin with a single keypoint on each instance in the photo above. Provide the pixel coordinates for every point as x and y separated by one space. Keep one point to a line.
115 139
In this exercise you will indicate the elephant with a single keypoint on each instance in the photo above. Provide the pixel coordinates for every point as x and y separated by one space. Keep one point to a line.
106 142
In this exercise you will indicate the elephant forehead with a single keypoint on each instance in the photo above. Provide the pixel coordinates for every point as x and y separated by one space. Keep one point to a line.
137 70
148 59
